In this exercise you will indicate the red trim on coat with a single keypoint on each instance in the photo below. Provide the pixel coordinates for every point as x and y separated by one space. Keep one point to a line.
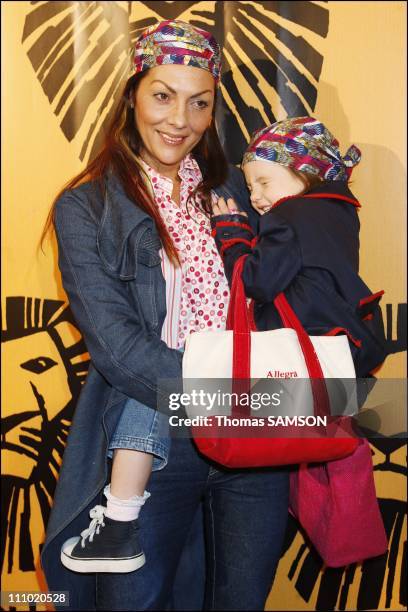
226 244
333 196
284 200
326 196
371 298
368 317
339 330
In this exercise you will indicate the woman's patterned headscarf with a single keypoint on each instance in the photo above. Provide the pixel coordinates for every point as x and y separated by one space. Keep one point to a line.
304 144
177 42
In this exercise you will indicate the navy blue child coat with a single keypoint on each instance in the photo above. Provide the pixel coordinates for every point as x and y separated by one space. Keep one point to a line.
308 247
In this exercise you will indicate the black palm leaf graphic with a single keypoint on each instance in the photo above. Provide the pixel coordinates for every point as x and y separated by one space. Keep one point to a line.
16 496
23 317
79 52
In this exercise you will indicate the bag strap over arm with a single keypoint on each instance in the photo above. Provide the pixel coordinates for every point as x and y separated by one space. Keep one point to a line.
241 323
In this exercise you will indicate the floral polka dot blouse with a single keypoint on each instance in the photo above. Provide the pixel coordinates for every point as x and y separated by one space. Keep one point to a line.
197 292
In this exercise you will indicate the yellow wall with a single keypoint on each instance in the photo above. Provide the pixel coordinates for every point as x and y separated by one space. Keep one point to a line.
361 98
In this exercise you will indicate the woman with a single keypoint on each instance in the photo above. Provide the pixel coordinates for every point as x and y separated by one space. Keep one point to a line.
119 252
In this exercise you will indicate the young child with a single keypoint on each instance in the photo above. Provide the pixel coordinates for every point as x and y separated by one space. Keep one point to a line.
308 240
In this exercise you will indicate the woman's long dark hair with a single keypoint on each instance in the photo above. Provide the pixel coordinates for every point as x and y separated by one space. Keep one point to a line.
120 149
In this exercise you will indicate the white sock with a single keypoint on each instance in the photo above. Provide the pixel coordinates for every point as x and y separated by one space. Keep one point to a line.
123 509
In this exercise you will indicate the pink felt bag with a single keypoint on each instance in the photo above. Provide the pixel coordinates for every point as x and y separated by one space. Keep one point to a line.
336 504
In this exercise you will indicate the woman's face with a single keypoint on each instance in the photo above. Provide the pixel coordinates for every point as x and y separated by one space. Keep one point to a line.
268 182
173 108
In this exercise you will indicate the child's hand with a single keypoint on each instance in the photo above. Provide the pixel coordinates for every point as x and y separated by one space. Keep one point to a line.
228 207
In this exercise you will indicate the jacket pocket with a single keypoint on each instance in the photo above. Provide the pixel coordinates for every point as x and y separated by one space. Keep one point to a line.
145 297
148 282
137 251
147 259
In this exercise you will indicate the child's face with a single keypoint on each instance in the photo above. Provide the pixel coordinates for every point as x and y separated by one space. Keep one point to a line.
268 182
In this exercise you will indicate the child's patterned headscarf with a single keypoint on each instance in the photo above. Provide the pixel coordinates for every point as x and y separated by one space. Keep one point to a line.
177 42
303 143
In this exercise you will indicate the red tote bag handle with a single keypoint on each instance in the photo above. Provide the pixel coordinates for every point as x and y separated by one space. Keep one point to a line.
241 322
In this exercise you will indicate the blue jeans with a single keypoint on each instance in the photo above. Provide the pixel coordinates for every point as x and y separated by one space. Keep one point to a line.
144 429
245 515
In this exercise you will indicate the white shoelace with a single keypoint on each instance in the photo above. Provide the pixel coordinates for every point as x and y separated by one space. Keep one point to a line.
97 515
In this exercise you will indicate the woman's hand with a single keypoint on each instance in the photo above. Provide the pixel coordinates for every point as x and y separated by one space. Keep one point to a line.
228 207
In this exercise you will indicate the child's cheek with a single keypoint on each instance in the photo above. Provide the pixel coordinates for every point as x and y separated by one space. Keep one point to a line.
270 196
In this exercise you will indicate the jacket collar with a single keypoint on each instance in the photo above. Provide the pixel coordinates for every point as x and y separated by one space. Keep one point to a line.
333 187
121 216
330 190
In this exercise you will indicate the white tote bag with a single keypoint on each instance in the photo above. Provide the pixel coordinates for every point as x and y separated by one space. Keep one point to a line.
304 365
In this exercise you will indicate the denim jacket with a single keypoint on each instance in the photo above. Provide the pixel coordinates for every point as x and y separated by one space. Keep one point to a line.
109 260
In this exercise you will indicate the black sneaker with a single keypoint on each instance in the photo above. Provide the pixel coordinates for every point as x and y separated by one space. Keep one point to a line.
113 546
